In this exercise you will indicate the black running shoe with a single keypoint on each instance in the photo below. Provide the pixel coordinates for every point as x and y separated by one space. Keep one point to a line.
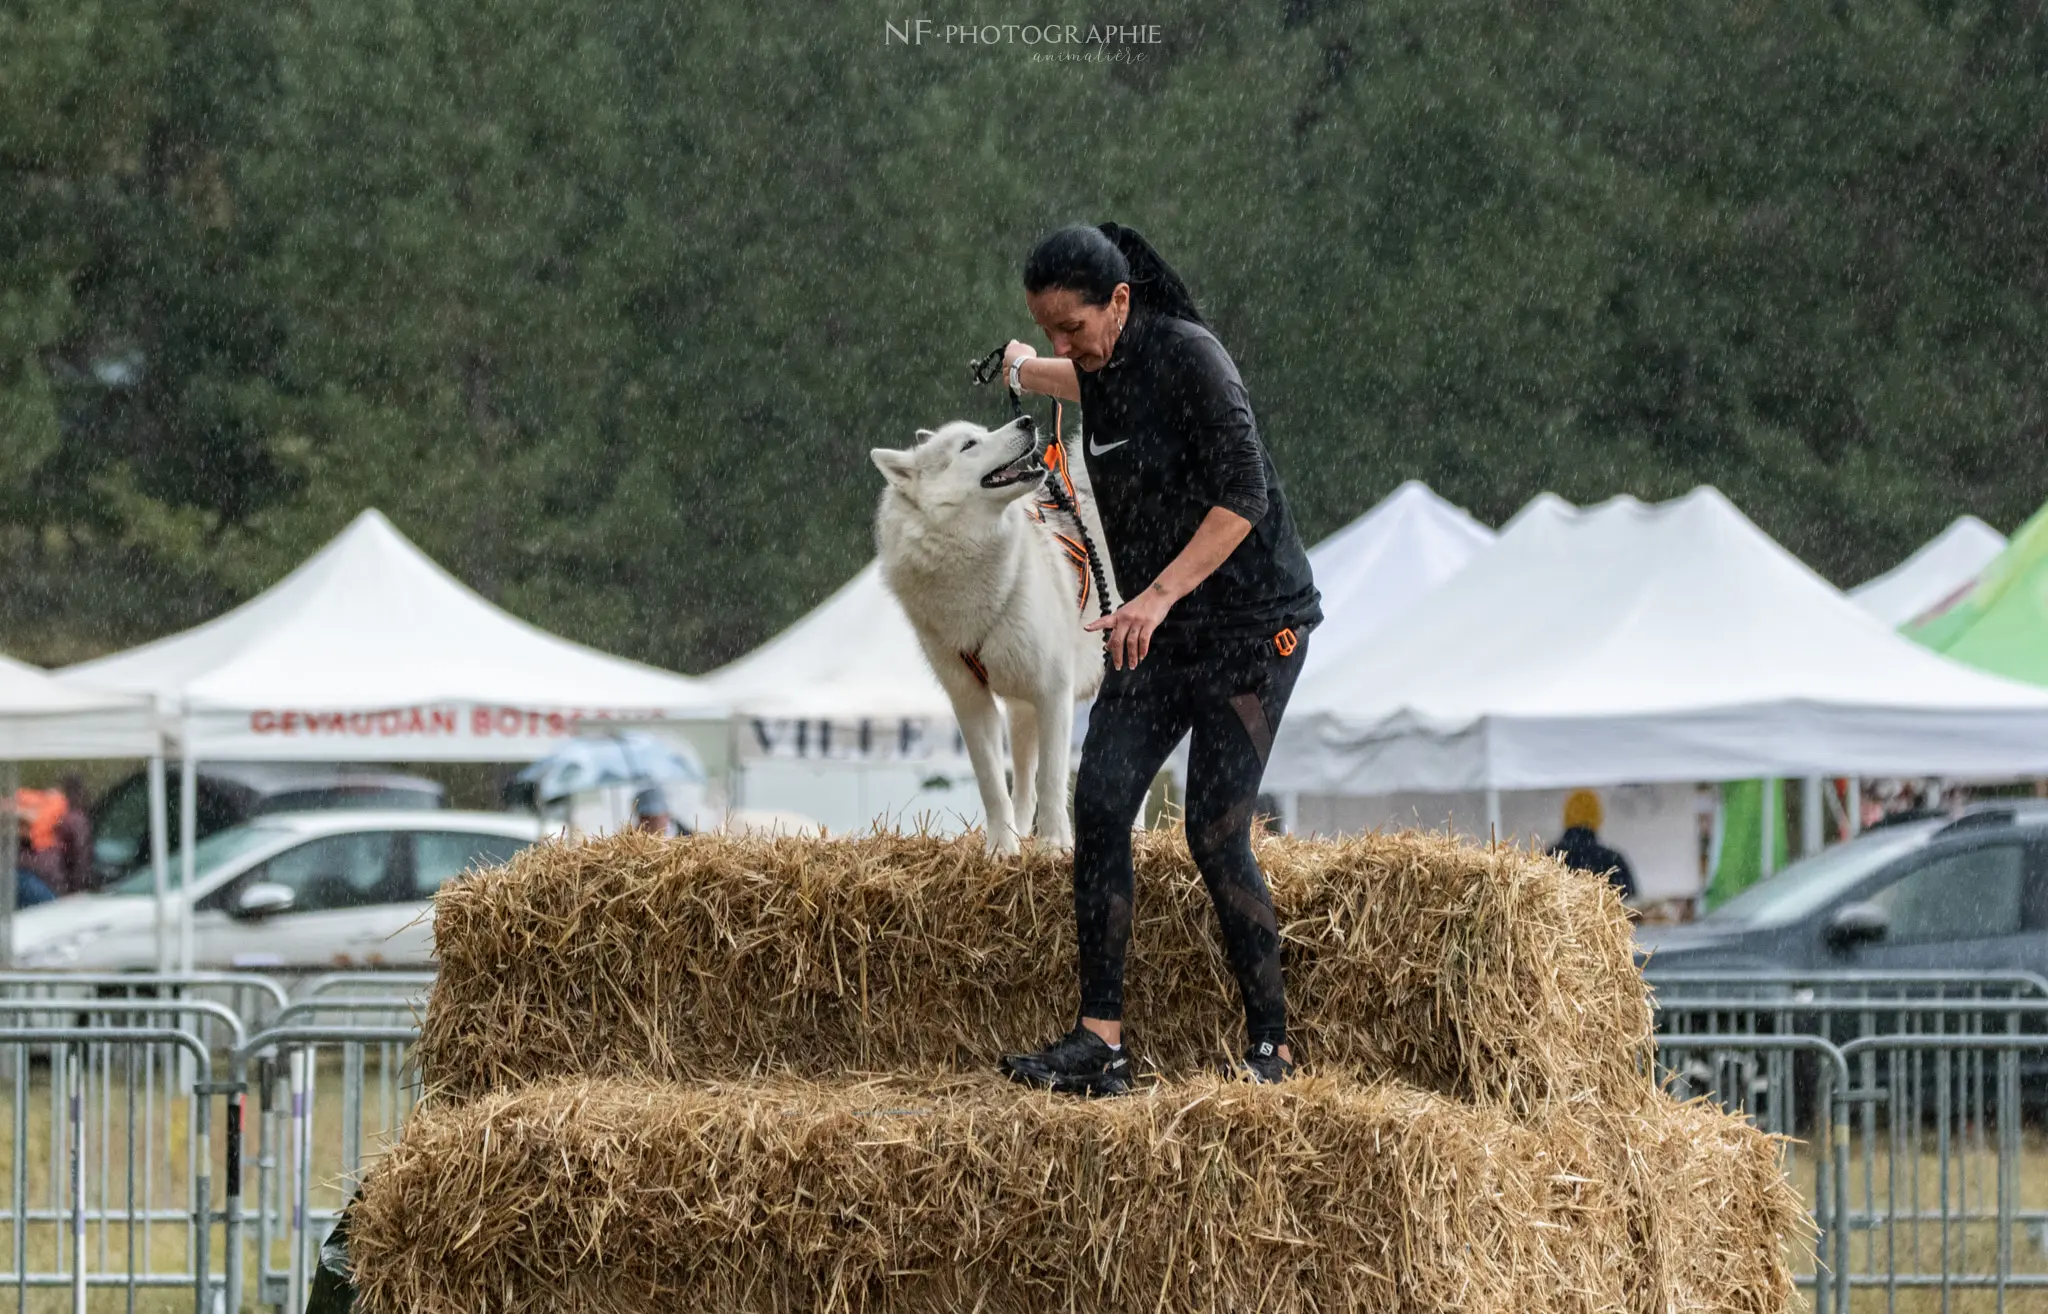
1263 1066
1079 1063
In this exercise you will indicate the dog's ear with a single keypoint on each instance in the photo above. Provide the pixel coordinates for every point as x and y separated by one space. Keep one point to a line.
923 434
896 467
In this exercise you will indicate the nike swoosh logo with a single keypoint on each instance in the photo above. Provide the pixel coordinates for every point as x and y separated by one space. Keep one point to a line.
1095 449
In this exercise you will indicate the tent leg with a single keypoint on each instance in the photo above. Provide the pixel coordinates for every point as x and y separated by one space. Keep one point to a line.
1492 815
1290 812
10 780
1766 812
1810 818
1855 826
160 857
733 774
188 839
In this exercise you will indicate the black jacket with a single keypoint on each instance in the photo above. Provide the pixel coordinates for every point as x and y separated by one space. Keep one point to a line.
1169 433
1582 850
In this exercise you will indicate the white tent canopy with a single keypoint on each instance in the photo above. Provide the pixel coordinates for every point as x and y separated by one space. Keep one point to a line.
369 651
855 656
1633 643
852 656
1944 564
42 717
1400 551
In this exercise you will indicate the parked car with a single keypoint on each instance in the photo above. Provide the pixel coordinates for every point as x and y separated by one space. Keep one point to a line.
289 892
233 792
1956 894
1964 895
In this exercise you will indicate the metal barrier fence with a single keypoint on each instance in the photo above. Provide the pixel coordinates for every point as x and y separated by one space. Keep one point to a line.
112 1083
69 1228
299 1155
1911 1108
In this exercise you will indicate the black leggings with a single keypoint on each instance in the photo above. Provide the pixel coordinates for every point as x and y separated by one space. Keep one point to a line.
1230 697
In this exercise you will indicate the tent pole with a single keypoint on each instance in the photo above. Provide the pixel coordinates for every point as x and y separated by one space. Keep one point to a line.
10 780
188 839
160 856
1767 803
1492 814
732 765
1290 812
1855 826
1810 831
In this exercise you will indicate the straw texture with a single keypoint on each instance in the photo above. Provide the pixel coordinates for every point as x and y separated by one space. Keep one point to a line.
1485 974
945 1193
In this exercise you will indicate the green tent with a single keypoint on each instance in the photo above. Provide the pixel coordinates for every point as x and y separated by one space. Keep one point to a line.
2001 623
1741 861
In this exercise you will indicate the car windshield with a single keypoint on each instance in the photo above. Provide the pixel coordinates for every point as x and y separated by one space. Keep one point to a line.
208 855
1810 883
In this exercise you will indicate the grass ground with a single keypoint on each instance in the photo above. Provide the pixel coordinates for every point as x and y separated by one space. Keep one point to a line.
1897 1187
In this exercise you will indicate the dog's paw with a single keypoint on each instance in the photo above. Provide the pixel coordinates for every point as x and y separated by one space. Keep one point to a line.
1056 843
1003 846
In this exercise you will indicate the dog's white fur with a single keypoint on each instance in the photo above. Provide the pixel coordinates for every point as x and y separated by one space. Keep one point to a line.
975 573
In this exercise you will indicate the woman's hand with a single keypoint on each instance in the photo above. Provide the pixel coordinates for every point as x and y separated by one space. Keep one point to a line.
1130 626
1016 351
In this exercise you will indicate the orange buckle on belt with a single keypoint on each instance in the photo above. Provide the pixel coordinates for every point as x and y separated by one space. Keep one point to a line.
1284 642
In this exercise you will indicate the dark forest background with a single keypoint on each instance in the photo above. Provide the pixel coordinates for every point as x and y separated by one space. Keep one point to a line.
605 304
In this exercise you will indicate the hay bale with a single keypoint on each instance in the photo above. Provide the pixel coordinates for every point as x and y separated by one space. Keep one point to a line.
915 1196
1490 974
1718 1213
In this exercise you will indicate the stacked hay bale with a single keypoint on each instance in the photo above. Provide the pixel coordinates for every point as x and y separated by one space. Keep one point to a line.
740 1074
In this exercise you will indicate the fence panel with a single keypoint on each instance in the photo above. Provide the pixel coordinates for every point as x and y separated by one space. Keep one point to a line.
105 1190
329 1098
1928 1165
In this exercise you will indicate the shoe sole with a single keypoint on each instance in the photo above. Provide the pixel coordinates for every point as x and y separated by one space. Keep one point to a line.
1098 1084
1252 1076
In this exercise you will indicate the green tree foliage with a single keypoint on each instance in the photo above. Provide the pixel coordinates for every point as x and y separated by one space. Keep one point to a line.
605 305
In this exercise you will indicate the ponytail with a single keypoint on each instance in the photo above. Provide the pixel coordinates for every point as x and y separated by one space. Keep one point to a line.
1091 261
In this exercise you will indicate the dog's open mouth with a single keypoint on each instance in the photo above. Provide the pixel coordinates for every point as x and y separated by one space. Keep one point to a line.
1027 466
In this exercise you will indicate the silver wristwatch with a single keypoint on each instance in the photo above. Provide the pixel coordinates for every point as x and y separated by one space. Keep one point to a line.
1016 365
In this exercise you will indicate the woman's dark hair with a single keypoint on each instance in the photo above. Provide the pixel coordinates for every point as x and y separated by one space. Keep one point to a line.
1091 260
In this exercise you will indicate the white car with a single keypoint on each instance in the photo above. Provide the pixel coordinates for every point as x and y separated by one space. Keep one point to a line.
292 891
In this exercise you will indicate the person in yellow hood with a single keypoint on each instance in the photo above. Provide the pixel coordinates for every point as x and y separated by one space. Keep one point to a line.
1580 845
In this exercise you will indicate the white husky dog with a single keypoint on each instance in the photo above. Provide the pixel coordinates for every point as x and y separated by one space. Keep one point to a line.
998 598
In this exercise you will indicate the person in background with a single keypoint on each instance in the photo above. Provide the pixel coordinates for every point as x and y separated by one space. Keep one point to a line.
29 888
74 839
1580 845
40 810
651 814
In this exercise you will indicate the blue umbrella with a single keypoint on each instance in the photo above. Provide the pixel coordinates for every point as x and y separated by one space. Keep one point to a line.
627 757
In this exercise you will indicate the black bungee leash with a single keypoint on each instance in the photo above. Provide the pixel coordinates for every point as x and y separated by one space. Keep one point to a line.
985 371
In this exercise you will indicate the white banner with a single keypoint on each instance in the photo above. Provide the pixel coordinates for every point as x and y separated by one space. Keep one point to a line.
891 739
441 732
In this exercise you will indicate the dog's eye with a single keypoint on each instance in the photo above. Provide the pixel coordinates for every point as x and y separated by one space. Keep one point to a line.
969 443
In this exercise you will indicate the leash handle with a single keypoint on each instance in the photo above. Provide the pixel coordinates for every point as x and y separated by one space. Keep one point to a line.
988 368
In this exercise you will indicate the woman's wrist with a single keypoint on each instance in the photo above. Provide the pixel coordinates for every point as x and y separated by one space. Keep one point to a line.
1017 373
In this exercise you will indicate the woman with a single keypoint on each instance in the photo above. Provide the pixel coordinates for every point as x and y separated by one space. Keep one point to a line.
1211 636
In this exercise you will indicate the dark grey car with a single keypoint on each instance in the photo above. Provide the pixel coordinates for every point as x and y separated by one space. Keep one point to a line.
1958 895
1965 897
